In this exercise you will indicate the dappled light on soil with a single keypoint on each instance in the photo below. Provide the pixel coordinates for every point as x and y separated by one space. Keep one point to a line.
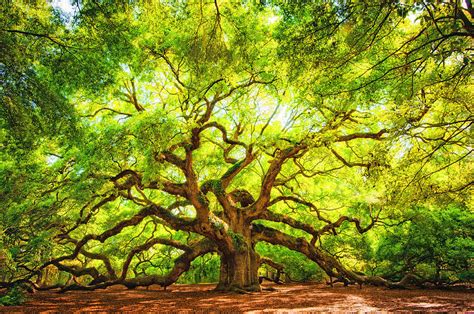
302 298
159 142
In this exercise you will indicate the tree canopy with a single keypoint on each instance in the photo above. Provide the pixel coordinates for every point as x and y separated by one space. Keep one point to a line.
147 141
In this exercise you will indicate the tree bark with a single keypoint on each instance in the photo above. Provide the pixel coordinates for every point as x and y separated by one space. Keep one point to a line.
239 269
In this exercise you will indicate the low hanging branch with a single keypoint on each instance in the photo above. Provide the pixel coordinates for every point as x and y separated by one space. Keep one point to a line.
278 267
131 95
181 264
152 210
328 263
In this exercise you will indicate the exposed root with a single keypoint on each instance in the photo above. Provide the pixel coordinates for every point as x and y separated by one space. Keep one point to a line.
240 290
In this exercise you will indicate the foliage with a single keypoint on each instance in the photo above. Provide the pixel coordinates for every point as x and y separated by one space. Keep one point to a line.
150 142
14 296
203 270
296 266
32 103
435 244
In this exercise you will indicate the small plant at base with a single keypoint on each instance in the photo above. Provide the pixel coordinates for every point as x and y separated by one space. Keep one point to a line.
14 296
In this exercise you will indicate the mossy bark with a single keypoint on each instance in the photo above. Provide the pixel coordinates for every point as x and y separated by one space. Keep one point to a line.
239 268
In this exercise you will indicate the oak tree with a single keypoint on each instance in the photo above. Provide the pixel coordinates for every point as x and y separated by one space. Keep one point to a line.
196 127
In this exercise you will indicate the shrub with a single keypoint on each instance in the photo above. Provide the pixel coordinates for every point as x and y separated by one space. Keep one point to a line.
15 295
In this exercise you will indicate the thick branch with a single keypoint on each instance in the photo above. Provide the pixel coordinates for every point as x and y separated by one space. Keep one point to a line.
147 246
78 272
109 109
152 210
181 264
268 215
233 171
328 263
271 175
347 163
46 36
349 137
104 259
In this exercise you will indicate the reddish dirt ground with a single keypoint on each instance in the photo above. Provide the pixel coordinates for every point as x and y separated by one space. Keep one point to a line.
291 298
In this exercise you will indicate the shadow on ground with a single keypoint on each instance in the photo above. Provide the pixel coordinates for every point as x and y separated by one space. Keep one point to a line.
286 298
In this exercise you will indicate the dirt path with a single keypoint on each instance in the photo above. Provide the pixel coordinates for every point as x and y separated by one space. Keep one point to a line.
292 298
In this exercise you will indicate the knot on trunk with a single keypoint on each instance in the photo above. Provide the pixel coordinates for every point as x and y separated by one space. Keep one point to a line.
243 197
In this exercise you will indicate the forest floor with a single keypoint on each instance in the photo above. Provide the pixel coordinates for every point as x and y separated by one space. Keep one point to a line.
288 298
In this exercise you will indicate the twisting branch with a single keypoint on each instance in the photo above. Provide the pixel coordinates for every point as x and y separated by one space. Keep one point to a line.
271 175
83 220
108 109
181 264
328 263
147 246
356 222
171 158
78 272
278 267
46 36
152 210
267 215
329 227
133 178
349 164
350 137
104 259
228 148
173 69
96 256
233 171
223 130
131 95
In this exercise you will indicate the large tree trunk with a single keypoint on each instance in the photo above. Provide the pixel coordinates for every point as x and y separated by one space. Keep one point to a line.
239 269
